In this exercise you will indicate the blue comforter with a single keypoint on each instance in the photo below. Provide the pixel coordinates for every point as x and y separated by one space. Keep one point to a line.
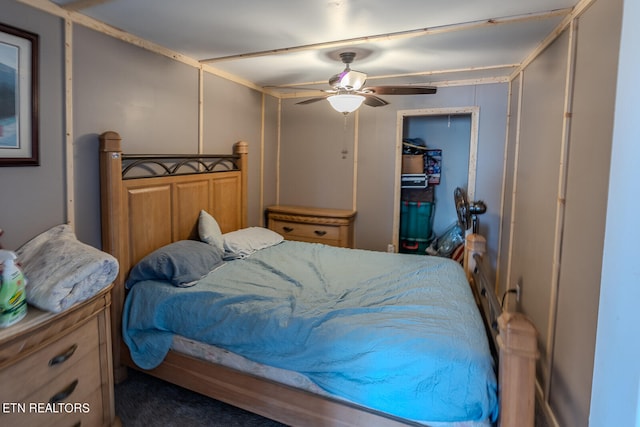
397 333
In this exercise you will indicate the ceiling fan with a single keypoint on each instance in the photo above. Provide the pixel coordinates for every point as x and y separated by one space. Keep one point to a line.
348 90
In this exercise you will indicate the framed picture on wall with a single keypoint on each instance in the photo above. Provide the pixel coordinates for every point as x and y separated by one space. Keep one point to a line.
18 97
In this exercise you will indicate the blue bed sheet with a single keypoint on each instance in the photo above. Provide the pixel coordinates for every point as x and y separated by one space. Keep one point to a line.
395 332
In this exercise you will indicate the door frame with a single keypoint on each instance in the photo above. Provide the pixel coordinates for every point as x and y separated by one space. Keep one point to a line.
474 111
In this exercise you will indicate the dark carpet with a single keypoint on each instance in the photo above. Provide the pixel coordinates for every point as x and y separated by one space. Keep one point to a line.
145 401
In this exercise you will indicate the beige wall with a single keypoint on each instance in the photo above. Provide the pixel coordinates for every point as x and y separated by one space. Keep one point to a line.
153 102
33 197
536 184
586 194
316 156
559 184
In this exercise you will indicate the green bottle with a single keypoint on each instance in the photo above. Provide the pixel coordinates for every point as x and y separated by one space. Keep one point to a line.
13 303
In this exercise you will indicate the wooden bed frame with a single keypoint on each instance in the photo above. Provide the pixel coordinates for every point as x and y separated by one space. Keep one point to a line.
142 214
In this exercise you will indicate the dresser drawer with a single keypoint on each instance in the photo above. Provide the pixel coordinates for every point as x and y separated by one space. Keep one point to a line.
72 385
43 366
312 232
85 411
328 226
87 414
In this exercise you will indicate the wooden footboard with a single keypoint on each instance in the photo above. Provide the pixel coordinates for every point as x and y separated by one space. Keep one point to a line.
142 214
288 405
514 342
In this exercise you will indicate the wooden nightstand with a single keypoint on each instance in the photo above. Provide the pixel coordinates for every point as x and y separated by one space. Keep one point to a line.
56 368
329 226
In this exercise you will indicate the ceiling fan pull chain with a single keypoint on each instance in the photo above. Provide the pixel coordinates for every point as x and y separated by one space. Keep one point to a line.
344 138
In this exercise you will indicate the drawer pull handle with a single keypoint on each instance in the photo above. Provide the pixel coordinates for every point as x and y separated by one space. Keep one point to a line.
287 229
320 232
63 394
61 358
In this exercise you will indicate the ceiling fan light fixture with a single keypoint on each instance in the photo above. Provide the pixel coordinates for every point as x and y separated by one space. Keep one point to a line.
345 103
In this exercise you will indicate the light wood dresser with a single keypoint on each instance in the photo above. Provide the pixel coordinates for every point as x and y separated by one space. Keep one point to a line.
318 225
56 368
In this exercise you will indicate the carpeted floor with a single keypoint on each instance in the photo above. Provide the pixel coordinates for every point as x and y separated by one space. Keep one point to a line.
145 401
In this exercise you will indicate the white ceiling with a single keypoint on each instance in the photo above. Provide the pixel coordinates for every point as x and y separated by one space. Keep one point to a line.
296 42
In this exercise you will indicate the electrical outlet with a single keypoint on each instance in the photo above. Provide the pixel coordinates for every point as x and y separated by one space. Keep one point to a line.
518 291
391 248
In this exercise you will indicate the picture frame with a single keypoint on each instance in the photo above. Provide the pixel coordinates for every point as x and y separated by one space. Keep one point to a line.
19 127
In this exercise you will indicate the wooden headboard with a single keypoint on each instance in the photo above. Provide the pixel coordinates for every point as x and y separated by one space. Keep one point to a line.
150 201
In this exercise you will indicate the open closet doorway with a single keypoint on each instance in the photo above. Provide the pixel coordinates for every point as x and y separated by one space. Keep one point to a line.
450 137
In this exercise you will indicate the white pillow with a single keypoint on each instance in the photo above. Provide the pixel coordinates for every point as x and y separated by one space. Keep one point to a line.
209 231
242 243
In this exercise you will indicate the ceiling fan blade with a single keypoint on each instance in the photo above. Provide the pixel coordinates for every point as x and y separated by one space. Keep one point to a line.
374 101
311 100
401 90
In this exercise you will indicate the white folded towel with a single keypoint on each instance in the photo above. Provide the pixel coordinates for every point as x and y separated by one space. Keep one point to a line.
62 271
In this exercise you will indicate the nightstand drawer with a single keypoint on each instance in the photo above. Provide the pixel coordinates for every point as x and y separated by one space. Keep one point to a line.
40 368
314 232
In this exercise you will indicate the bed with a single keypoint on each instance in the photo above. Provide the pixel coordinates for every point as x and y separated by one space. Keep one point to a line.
358 348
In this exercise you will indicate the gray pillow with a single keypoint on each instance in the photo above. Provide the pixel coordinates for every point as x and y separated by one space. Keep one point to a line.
181 263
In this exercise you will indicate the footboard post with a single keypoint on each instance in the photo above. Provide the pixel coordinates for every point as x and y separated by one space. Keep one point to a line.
474 244
517 342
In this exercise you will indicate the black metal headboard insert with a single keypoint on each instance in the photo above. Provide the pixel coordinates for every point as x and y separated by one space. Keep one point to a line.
145 166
